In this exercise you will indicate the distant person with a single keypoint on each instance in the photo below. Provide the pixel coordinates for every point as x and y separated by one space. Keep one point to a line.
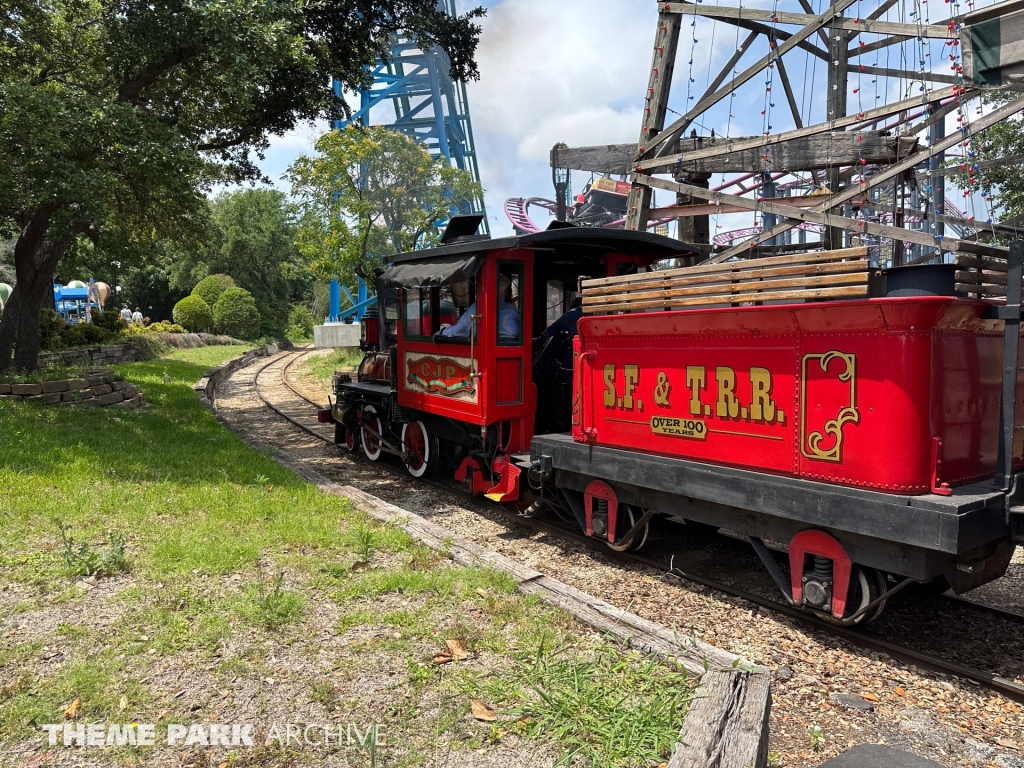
126 314
137 316
508 317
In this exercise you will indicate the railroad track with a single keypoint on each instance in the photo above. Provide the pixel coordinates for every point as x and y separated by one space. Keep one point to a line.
299 415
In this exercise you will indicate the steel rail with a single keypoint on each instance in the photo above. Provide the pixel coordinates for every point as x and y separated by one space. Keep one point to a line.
1009 688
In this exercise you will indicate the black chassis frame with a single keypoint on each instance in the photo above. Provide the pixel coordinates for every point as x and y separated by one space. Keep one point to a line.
965 537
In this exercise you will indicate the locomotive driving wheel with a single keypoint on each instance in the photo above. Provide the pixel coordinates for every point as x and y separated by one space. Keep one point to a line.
416 447
628 517
866 586
370 432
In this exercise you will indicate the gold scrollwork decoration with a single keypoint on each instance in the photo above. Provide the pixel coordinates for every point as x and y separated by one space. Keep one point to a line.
832 432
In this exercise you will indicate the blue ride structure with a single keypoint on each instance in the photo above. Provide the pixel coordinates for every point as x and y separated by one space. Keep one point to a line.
413 92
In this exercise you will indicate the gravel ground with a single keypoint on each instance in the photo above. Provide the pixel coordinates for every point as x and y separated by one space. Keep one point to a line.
949 720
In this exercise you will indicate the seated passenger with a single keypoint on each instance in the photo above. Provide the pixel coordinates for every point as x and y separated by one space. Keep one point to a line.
508 317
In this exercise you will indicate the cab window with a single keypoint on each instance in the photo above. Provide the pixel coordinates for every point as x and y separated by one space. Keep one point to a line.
510 303
427 311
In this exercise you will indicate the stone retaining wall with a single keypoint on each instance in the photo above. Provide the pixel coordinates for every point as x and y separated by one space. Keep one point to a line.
206 387
108 354
94 389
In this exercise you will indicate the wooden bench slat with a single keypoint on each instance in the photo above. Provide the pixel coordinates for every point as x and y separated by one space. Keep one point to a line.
985 278
995 265
984 290
731 266
725 291
752 275
807 293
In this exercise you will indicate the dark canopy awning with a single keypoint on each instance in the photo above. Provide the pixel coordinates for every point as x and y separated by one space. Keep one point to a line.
432 272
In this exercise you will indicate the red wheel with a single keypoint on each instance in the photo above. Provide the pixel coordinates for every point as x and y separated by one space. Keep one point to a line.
370 439
350 440
416 444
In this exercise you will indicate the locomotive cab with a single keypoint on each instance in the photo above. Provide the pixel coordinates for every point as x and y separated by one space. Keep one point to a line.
482 352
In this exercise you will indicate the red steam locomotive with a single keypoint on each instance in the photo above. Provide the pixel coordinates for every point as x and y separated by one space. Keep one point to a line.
875 436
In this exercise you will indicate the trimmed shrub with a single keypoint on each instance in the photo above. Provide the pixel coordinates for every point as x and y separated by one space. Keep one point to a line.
110 320
211 288
236 314
162 327
193 313
300 323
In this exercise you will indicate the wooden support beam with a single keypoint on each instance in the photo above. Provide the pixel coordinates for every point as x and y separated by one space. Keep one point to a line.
875 14
731 13
735 145
810 152
877 45
983 165
822 20
1007 110
663 61
907 74
817 215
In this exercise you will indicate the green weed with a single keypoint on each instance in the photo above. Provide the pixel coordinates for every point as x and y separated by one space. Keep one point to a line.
83 559
273 607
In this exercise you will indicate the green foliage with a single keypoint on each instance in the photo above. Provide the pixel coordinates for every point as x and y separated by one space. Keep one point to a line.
370 193
300 323
211 288
193 313
83 559
57 334
162 327
1004 182
110 320
121 115
235 314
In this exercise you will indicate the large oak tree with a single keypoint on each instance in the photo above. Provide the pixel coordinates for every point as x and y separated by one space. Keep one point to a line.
116 115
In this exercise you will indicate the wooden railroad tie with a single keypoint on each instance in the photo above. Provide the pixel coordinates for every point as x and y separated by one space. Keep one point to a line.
794 277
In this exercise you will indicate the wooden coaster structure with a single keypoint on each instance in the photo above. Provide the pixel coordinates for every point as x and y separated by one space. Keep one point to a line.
844 155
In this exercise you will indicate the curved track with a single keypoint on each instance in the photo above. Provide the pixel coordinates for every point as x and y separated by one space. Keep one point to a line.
299 415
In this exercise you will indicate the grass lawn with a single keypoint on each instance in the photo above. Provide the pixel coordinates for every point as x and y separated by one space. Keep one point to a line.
321 367
154 569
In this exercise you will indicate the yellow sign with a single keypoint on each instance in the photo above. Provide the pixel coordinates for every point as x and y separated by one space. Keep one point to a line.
695 429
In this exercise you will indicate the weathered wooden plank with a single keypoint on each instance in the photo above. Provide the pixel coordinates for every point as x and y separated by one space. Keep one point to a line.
739 298
730 13
727 725
806 153
751 275
707 267
985 290
982 278
981 249
670 160
724 290
992 265
663 61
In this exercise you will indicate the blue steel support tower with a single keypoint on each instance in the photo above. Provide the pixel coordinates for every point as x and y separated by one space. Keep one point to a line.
414 93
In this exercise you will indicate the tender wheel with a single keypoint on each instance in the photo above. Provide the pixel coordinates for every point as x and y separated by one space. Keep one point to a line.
866 586
416 445
628 515
370 440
